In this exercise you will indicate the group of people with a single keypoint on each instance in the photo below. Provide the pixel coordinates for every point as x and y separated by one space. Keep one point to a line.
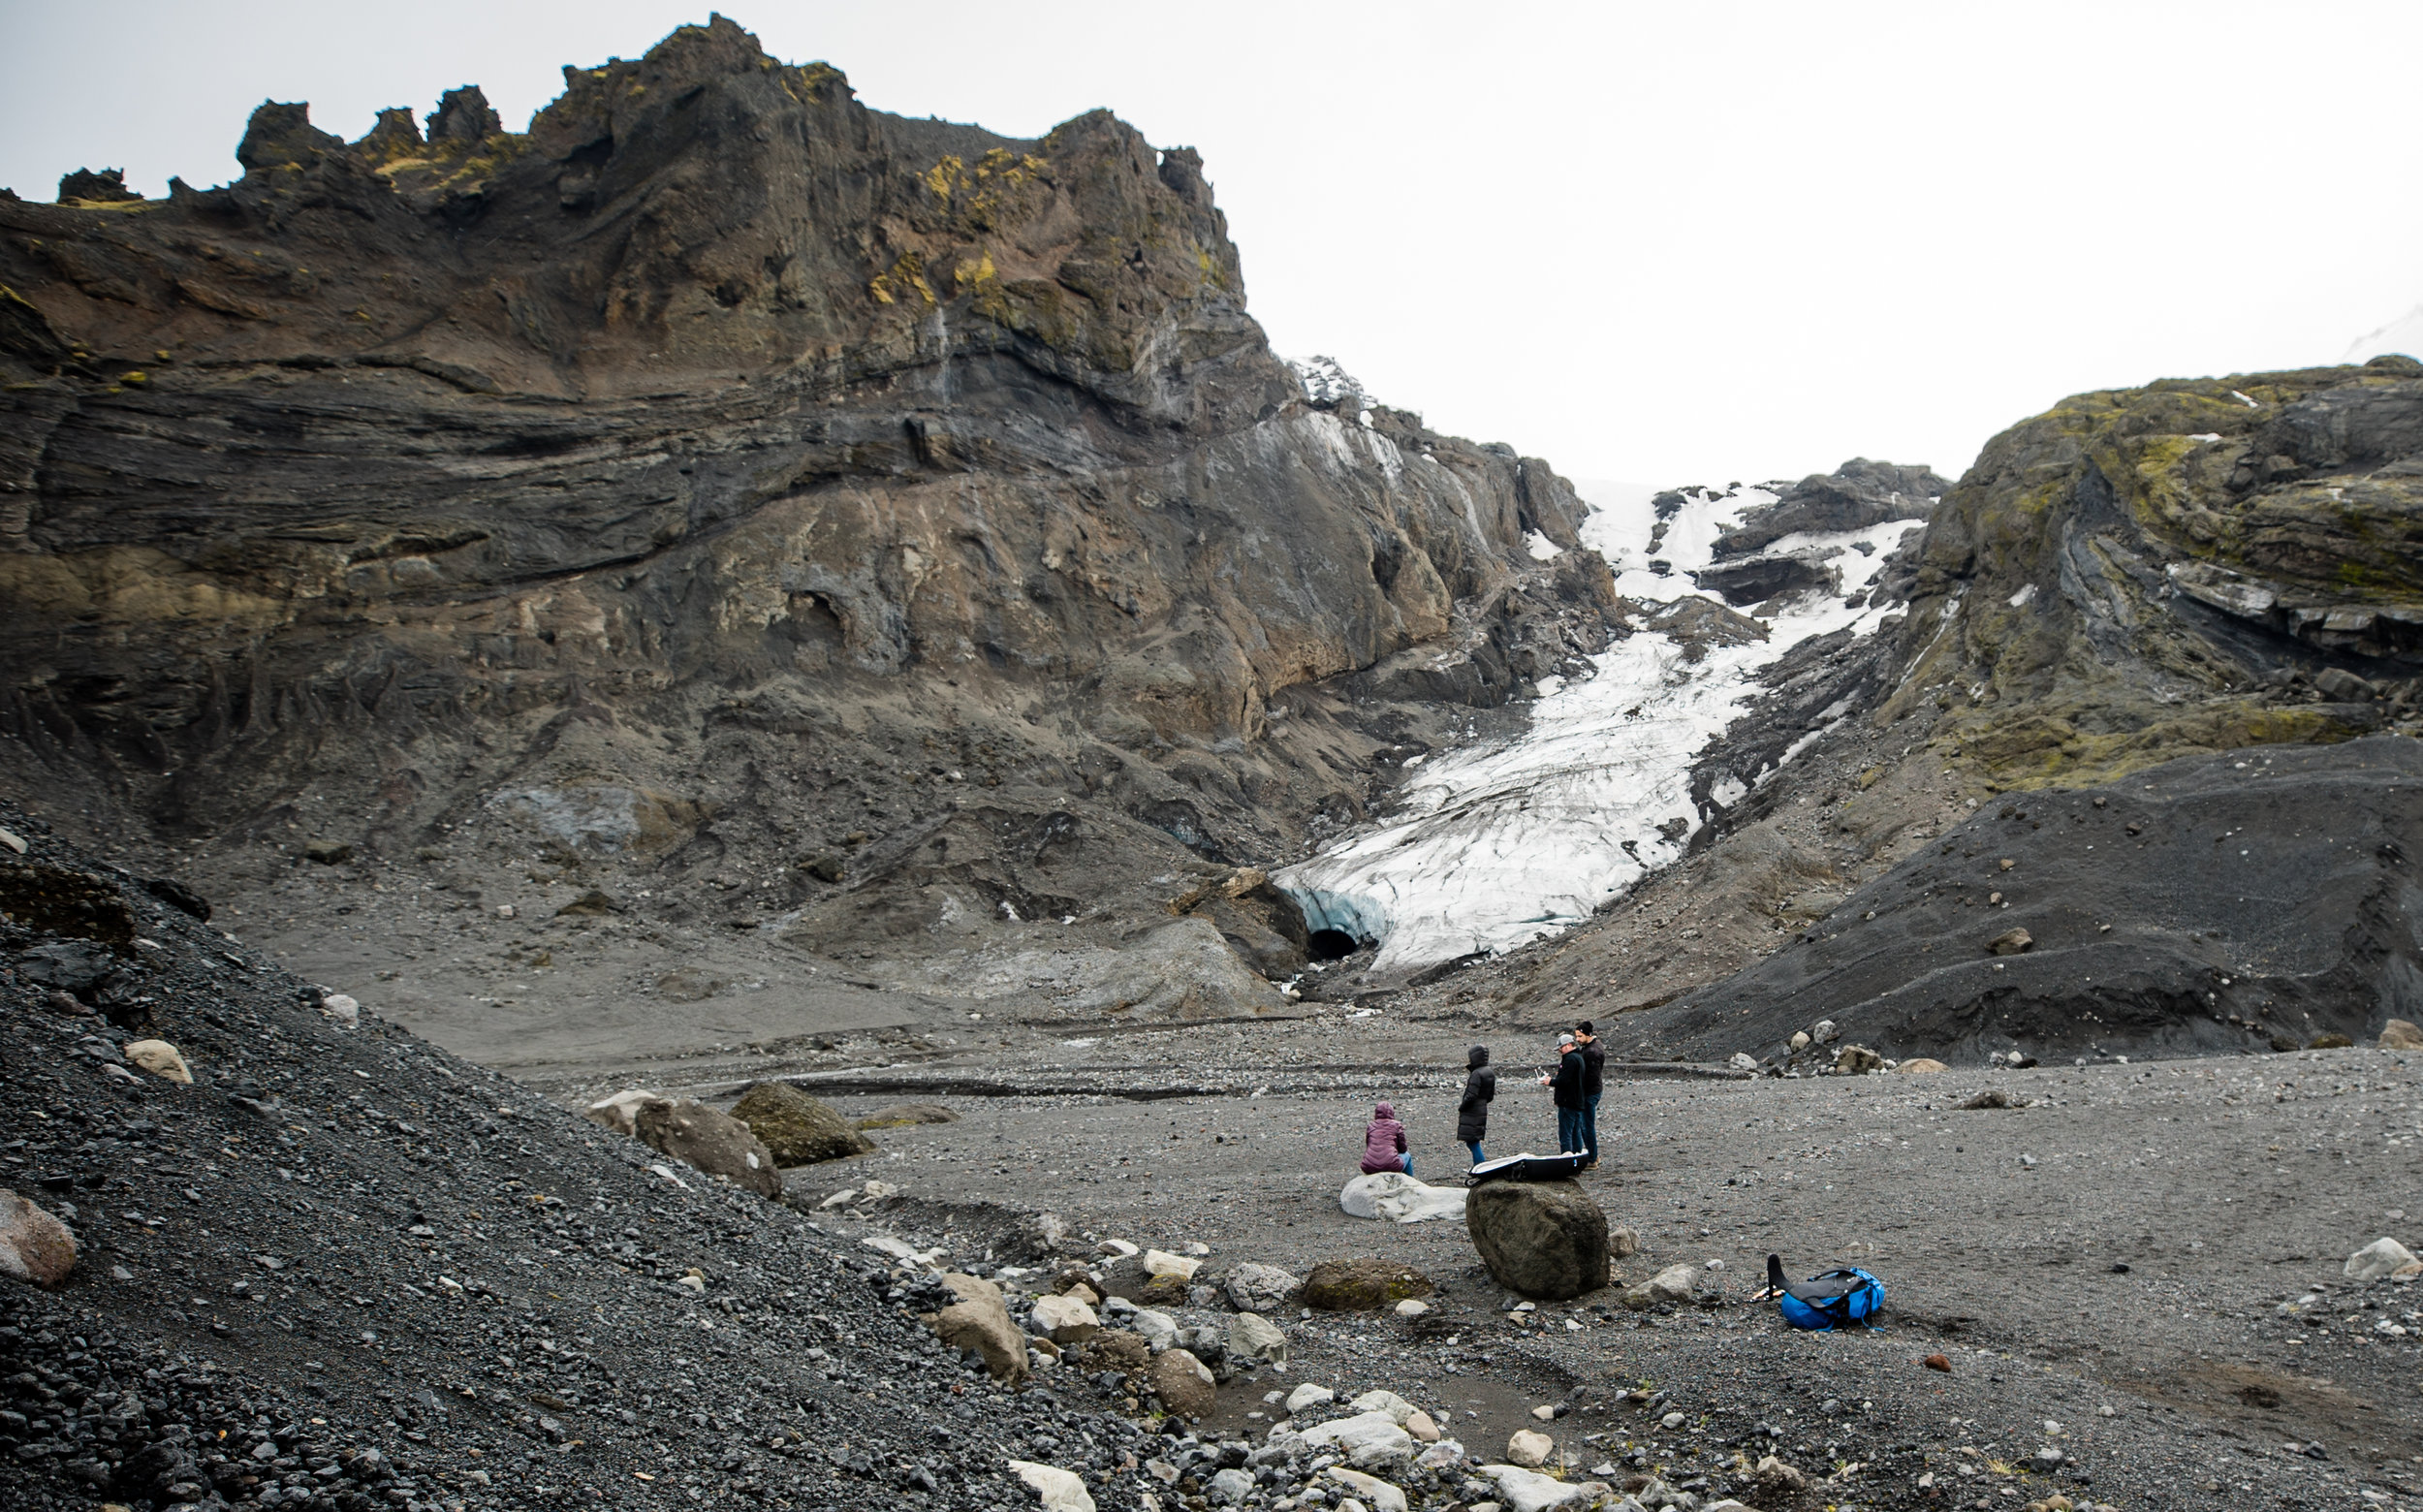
1581 1065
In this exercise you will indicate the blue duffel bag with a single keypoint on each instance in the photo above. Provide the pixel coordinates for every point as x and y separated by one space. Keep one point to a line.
1829 1300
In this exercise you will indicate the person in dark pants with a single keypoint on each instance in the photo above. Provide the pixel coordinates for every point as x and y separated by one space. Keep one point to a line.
1571 1104
1594 1072
1480 1089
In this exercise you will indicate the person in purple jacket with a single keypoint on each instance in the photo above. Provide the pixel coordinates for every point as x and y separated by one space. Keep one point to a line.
1384 1143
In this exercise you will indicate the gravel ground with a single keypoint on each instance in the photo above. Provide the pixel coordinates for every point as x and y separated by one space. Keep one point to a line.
343 1269
2147 1255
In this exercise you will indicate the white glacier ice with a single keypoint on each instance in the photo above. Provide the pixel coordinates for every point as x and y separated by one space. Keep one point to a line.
1492 845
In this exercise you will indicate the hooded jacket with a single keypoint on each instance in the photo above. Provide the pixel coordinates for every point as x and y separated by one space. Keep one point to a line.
1480 1089
1383 1142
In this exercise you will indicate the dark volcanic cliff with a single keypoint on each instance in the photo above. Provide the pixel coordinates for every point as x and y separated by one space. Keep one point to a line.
726 481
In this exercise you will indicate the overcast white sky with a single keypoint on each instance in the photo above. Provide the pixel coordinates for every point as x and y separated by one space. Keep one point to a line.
1662 242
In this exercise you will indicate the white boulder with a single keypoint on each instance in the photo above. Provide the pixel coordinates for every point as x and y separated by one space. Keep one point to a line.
1398 1198
1061 1491
2379 1258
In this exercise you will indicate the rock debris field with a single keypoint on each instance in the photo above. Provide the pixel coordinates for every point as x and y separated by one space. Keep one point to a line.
342 1269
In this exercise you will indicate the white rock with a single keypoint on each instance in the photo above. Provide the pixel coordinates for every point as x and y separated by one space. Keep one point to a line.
1370 1490
1446 1454
1398 1198
1529 1448
1054 1313
505 910
1528 1490
876 1190
841 1198
618 1112
1115 1247
1061 1491
1161 1262
1824 1031
1228 1488
1252 1337
1254 1287
1744 1060
159 1057
1398 1408
341 1008
1198 1248
12 841
1159 1328
1308 1396
2379 1258
1412 1308
1369 1440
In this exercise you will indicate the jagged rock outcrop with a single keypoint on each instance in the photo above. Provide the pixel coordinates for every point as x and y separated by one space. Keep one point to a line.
2194 565
722 479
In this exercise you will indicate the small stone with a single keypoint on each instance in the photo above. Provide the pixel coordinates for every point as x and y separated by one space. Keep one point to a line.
2399 1034
1065 1319
1161 1262
1252 1337
1184 1384
980 1321
1159 1328
10 840
1421 1425
1255 1287
2011 942
1083 1293
1624 1243
2379 1259
1412 1308
841 1198
1197 1249
1061 1491
1800 1039
1529 1449
34 1246
1545 1412
1936 1361
1857 1060
1823 1031
1228 1488
1116 1247
1308 1396
328 852
1672 1421
1674 1283
1744 1060
1370 1490
505 910
1922 1066
342 1009
161 1059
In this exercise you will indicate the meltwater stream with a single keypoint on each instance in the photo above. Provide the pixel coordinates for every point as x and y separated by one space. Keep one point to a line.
1494 845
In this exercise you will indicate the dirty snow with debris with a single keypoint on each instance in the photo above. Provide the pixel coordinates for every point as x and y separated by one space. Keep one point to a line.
1497 844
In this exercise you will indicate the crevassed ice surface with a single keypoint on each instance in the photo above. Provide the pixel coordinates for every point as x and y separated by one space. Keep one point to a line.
1496 845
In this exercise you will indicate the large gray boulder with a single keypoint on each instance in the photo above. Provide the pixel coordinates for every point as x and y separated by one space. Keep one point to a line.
1539 1239
715 1142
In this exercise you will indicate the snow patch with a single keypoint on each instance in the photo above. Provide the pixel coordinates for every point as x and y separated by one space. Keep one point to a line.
1540 546
1492 845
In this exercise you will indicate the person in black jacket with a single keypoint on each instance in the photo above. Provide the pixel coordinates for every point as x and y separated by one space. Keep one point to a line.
1480 1089
1593 1073
1572 1104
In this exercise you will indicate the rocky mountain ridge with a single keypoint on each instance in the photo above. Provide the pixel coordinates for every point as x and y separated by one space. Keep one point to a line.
754 508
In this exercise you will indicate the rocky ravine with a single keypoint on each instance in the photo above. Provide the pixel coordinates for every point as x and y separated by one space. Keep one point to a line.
758 512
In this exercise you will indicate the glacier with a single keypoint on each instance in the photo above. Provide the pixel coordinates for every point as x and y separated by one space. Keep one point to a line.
1498 843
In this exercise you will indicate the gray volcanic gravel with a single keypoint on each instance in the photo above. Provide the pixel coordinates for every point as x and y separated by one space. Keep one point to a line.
344 1269
2147 1255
